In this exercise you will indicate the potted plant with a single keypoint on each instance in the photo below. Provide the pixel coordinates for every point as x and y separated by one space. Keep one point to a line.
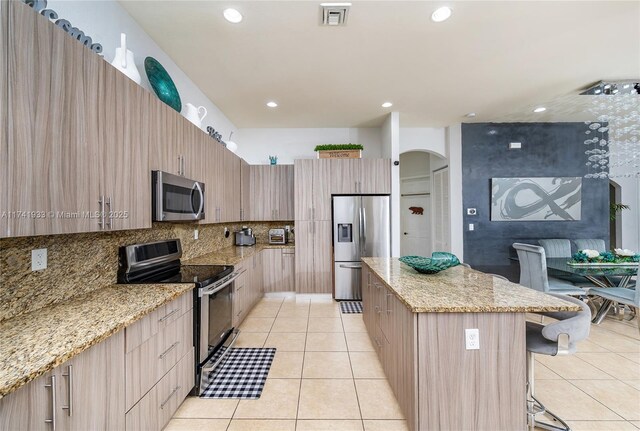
339 151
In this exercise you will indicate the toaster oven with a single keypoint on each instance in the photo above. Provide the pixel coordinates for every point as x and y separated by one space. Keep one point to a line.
278 236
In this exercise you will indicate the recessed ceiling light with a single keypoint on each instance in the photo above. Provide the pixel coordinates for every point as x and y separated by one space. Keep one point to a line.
272 104
470 115
540 109
387 105
441 14
232 15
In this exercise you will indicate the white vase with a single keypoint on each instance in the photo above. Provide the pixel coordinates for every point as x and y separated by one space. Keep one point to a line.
124 61
193 113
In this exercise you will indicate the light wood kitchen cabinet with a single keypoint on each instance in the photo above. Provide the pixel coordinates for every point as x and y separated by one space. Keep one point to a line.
4 106
272 192
157 407
288 270
231 203
155 344
91 385
166 151
245 190
81 394
248 287
279 270
361 176
312 181
51 164
124 133
78 142
31 407
313 257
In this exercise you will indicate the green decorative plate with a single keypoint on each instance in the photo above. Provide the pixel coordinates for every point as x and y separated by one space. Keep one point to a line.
439 261
162 83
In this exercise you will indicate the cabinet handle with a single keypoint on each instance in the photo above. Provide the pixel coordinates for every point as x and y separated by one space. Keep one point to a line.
171 313
52 421
108 203
173 392
388 295
183 165
101 205
179 165
69 376
166 352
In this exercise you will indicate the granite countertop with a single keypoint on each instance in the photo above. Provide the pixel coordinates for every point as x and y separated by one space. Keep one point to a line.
33 343
460 290
233 255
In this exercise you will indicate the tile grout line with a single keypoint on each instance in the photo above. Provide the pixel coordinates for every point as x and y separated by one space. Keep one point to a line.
304 354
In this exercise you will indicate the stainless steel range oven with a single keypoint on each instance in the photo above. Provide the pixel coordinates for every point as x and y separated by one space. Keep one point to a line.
213 331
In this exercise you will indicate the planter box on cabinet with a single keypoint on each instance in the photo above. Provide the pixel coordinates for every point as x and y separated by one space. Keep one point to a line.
340 154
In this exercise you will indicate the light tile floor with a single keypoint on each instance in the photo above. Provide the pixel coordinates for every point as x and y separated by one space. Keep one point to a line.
326 376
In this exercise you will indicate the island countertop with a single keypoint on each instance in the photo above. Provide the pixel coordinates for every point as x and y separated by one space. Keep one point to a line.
460 290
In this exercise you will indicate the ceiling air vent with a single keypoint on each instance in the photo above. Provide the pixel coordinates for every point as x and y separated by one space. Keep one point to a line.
334 14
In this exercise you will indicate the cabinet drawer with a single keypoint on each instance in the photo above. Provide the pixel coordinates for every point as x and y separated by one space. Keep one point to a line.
149 325
146 364
157 407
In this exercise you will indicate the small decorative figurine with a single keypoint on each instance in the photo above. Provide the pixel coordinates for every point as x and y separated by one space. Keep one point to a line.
273 160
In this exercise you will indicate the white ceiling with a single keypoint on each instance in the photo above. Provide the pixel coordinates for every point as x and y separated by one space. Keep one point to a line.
499 59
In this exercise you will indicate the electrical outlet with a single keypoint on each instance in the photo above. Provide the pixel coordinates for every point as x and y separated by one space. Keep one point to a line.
38 259
472 339
195 234
515 145
471 226
471 211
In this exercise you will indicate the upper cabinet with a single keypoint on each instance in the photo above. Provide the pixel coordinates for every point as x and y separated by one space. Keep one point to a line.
4 29
272 192
245 190
76 150
312 181
361 176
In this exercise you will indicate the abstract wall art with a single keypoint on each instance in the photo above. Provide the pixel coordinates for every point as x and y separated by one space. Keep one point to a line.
536 199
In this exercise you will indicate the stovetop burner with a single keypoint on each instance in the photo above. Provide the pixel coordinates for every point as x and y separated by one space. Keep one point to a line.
199 274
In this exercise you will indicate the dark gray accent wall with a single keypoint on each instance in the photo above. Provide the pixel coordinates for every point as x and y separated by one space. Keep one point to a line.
548 150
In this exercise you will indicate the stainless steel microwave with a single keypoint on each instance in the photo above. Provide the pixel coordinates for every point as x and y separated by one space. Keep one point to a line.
176 198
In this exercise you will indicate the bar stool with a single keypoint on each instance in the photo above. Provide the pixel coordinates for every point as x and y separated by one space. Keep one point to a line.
557 338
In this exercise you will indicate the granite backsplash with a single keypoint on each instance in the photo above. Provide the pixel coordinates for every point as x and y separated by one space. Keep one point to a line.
81 263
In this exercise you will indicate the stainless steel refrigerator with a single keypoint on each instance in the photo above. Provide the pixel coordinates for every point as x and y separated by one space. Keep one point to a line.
361 227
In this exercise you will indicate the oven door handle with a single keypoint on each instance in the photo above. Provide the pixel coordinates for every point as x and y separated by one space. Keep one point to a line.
197 186
223 285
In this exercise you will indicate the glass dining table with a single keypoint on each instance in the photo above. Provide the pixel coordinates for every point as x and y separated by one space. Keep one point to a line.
599 275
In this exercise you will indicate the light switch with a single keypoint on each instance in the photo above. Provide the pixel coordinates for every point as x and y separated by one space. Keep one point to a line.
195 233
471 226
515 145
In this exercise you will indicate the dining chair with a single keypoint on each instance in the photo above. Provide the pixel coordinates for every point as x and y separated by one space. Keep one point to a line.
590 244
533 272
619 295
556 247
554 339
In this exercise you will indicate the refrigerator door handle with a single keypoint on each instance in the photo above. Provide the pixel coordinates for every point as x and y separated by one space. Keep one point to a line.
363 235
360 230
354 266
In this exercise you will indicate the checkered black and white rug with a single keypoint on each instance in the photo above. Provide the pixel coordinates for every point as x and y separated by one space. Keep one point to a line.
242 374
351 307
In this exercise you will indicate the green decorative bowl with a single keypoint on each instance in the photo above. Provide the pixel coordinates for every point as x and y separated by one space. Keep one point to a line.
439 261
162 83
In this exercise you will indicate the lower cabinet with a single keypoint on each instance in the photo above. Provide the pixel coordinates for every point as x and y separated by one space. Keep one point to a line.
84 393
157 407
248 287
159 364
279 270
392 328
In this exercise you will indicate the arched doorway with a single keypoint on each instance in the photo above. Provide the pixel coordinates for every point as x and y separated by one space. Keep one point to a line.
418 201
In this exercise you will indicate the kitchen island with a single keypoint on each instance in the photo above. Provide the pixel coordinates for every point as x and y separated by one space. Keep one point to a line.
417 323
